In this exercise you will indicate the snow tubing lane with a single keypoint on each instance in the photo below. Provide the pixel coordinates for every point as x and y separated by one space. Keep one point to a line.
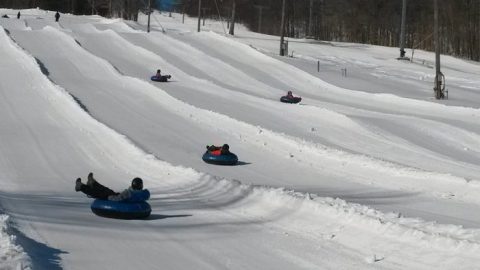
228 159
134 208
161 79
286 99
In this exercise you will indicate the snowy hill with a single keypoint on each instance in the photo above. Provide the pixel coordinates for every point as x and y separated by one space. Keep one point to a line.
367 172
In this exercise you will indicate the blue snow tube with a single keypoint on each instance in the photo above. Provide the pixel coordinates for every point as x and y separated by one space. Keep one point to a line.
163 78
134 208
286 99
228 159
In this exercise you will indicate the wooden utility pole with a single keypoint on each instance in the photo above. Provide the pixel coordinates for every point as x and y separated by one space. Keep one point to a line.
183 13
439 78
149 12
402 30
232 21
435 36
199 14
282 30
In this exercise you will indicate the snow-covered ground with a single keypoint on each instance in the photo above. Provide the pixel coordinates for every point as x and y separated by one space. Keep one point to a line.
367 172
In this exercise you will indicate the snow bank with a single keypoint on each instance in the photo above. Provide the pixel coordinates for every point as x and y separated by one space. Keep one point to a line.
352 225
12 255
315 209
84 27
116 24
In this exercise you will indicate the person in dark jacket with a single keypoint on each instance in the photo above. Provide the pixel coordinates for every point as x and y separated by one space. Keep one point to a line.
159 76
18 15
217 150
57 16
99 191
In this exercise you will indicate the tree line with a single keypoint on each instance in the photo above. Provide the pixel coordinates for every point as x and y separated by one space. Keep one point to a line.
375 22
362 21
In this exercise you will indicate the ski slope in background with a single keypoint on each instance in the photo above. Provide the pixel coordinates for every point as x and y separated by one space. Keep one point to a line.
368 172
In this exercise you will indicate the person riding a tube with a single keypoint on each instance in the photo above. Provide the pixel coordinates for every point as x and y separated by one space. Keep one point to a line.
98 191
217 150
159 74
289 94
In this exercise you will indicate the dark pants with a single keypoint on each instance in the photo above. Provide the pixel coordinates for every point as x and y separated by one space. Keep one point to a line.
97 191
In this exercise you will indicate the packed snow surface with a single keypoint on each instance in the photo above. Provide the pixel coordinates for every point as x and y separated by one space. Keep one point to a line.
367 172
